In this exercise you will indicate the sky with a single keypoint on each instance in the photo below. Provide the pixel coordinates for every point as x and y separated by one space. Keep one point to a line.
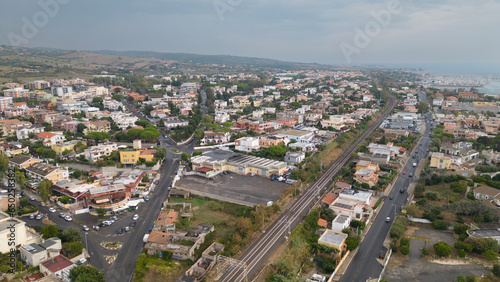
321 31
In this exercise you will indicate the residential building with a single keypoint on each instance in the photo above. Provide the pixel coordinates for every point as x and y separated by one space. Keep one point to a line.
7 202
298 135
341 222
95 153
23 234
34 254
487 193
353 203
247 144
23 161
440 161
124 121
61 90
333 239
291 115
389 148
147 155
24 132
66 146
491 157
41 171
60 121
58 266
294 157
215 138
366 175
13 149
175 123
51 138
5 102
265 142
129 157
334 121
97 126
9 126
38 84
16 93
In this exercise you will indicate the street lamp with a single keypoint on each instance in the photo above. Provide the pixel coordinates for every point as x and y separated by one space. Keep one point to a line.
86 246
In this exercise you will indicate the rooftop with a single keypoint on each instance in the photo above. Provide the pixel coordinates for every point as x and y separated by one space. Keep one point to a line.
56 264
295 132
332 237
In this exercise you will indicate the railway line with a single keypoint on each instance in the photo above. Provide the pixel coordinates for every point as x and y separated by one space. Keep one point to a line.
257 252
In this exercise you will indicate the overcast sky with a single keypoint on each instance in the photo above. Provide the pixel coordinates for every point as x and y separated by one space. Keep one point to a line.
322 31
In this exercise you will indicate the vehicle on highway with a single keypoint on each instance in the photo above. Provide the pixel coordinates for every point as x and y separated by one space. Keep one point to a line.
31 198
85 228
119 231
68 218
388 219
404 171
132 224
52 210
40 216
61 214
136 217
32 216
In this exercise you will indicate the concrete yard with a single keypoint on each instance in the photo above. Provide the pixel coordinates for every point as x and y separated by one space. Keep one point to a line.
240 189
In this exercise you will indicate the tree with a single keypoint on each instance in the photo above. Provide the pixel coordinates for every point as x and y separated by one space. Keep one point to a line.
490 255
77 173
80 128
71 234
4 163
50 231
352 242
199 133
97 136
208 119
496 270
442 249
45 189
149 135
101 212
19 175
86 273
97 100
161 153
72 248
185 157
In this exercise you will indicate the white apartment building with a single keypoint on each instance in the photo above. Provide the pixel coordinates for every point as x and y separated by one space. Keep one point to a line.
247 144
23 133
95 153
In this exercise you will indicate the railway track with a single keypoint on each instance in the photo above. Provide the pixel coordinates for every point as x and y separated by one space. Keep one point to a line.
258 250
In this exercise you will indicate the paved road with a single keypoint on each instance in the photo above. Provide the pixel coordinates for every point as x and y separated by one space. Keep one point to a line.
257 253
369 249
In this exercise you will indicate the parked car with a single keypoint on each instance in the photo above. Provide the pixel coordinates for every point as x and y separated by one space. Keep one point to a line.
127 229
221 174
40 216
96 227
32 216
253 174
119 231
381 255
391 197
31 198
136 217
404 171
132 224
411 174
68 218
114 217
61 214
85 228
23 193
111 221
52 210
146 198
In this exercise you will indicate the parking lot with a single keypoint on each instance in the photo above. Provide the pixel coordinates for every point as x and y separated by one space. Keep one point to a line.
240 189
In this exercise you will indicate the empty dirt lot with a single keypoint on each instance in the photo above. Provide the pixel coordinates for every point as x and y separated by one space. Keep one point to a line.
234 188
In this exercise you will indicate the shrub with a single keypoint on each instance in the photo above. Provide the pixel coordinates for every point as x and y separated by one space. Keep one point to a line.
479 246
490 255
460 229
432 196
463 246
405 250
442 249
462 253
440 225
398 227
404 242
425 251
64 199
470 195
462 237
496 270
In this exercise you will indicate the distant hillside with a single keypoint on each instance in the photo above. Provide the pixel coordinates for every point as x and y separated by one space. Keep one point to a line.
215 59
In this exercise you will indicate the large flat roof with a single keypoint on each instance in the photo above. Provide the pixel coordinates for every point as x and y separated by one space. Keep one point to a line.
332 237
294 132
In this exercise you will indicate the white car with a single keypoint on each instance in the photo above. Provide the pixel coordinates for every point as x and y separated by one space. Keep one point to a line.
136 217
68 218
85 228
52 210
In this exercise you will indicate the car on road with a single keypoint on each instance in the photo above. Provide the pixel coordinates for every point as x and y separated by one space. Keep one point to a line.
23 194
146 198
106 223
114 217
221 174
85 228
111 221
391 197
136 217
402 190
40 216
61 214
31 198
96 227
411 174
52 210
404 171
253 174
388 219
381 255
119 231
32 216
156 182
127 229
68 218
132 224
169 187
414 164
